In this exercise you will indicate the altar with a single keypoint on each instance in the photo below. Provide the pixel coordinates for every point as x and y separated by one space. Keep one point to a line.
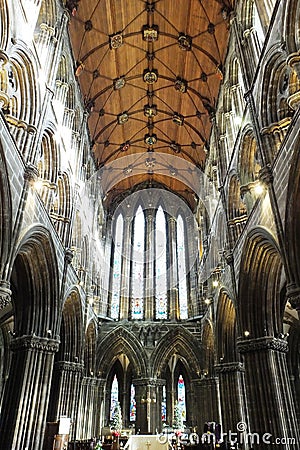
146 442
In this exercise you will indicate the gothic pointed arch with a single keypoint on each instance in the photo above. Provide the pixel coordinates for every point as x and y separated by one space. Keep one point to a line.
34 281
226 332
177 341
208 348
259 304
90 349
121 341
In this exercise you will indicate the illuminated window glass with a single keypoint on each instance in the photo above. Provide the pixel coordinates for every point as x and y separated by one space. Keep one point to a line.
137 290
160 265
117 268
181 258
114 396
132 415
164 404
181 397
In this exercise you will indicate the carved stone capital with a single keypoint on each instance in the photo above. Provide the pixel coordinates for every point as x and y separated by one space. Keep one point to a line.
37 343
293 296
31 173
266 175
68 366
231 367
262 344
228 255
5 294
68 255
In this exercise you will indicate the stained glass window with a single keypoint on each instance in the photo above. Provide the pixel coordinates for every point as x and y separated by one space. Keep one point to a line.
117 268
137 290
181 397
164 404
114 396
132 415
160 265
181 257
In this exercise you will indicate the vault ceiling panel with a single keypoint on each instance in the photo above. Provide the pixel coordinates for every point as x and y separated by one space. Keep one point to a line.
150 72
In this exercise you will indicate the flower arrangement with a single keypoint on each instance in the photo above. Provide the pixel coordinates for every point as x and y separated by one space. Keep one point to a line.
116 425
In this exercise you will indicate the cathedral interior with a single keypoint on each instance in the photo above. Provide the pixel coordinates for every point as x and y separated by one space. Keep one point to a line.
149 221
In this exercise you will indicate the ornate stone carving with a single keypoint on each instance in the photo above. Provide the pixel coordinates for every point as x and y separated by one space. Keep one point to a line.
230 367
32 342
5 294
293 296
69 366
31 173
262 344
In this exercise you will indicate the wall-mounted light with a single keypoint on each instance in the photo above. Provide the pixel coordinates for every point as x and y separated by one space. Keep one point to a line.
246 333
259 189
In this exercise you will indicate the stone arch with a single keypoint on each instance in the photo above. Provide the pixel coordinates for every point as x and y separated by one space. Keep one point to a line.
259 304
121 341
177 341
291 26
237 212
208 348
226 332
90 349
71 347
35 284
24 94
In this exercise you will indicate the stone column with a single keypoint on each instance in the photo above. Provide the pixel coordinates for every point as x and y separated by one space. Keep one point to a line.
207 395
66 388
172 269
89 409
269 394
149 306
125 278
25 403
232 395
148 405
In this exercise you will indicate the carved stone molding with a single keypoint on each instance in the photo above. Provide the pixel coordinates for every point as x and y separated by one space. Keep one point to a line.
31 173
230 367
68 366
5 294
262 344
266 175
293 296
149 382
31 342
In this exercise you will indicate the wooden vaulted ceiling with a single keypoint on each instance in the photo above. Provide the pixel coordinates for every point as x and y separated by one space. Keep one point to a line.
150 72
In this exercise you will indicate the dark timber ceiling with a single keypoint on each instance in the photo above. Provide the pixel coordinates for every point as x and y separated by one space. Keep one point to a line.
150 72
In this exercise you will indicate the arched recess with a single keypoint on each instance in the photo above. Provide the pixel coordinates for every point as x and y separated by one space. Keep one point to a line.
291 26
35 284
47 165
237 212
90 349
181 342
259 304
71 332
208 349
276 108
226 332
68 366
121 341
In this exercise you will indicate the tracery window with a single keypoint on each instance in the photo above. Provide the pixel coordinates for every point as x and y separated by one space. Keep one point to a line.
137 290
181 258
117 268
160 265
114 396
181 397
